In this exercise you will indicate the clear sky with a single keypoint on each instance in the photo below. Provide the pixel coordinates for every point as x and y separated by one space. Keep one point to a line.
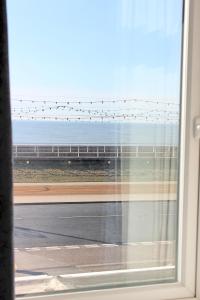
95 48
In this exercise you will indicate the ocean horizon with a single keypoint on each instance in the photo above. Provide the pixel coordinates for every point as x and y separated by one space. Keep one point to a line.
93 133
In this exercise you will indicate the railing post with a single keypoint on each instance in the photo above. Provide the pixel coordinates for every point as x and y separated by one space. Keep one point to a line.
154 151
37 150
58 152
136 152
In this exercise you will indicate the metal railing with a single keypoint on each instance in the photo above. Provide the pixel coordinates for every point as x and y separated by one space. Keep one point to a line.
68 152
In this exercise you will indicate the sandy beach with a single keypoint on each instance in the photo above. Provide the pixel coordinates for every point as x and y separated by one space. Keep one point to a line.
93 191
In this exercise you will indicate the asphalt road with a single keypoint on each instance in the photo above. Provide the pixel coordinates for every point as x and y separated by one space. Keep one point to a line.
92 223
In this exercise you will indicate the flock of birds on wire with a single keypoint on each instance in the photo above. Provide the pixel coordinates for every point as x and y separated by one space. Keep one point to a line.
96 110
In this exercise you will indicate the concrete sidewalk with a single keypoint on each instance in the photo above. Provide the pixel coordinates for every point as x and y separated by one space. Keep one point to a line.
93 192
71 267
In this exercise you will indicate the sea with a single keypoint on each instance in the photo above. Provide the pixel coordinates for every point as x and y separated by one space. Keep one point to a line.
93 133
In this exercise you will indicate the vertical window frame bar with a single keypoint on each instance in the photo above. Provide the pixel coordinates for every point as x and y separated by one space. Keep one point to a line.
6 226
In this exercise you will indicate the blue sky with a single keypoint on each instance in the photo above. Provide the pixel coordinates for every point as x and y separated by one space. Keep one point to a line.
95 48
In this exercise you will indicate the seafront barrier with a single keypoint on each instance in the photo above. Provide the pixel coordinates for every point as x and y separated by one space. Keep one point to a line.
88 173
92 152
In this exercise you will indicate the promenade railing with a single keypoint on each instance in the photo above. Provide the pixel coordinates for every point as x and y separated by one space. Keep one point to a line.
98 152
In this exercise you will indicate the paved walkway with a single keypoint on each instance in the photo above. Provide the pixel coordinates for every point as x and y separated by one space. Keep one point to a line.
63 268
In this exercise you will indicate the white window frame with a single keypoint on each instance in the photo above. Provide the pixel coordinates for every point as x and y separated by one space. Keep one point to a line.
188 285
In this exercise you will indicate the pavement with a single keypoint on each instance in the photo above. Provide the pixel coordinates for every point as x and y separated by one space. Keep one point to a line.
60 260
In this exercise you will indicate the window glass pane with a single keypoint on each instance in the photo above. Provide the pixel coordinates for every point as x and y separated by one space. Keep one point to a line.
95 88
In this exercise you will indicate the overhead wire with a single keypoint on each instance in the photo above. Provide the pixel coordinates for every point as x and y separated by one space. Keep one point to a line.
85 113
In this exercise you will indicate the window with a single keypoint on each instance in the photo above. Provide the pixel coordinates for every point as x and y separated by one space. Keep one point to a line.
106 182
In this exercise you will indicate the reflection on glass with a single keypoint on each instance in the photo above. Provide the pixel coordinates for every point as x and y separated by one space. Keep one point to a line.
95 91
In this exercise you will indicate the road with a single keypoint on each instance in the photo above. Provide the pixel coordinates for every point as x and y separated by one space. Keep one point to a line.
89 223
